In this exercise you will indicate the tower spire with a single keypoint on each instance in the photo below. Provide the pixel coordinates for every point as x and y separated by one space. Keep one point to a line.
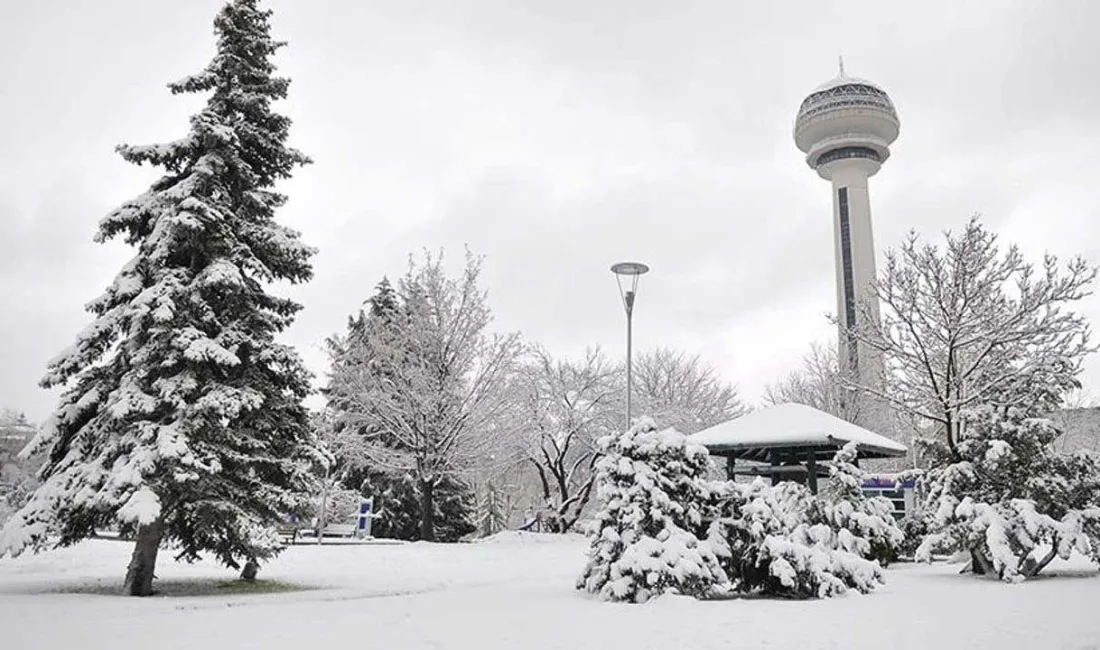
841 58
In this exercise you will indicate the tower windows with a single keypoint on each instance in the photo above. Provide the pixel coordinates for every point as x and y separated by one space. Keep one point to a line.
848 274
848 152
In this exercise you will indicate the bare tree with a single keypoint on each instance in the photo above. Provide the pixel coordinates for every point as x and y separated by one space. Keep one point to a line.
1079 420
566 406
817 384
428 393
681 391
960 322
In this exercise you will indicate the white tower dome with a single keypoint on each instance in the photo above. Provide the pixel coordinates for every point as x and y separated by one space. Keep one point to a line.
846 118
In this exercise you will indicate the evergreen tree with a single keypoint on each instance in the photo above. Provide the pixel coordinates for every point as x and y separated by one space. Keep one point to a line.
654 498
397 501
493 510
663 526
862 525
17 470
778 541
182 421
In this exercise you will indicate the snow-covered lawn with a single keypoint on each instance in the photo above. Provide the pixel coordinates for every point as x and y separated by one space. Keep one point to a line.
515 592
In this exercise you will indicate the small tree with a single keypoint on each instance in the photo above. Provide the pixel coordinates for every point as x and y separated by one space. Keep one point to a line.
17 474
398 501
960 325
862 525
785 541
1007 493
645 539
781 541
429 394
565 407
182 419
818 384
959 322
682 392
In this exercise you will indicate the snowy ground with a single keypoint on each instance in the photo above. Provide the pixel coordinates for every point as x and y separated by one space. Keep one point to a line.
515 593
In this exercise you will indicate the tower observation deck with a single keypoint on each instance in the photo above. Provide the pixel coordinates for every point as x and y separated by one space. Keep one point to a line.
845 127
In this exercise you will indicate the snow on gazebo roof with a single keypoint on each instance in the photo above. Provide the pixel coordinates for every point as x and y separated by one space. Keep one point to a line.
793 426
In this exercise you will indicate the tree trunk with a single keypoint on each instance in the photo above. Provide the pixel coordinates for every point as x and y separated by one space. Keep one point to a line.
251 568
979 563
1034 569
139 575
427 511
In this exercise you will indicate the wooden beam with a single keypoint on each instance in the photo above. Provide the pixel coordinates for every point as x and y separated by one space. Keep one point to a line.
811 471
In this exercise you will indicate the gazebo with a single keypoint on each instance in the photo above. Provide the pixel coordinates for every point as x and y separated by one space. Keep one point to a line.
790 442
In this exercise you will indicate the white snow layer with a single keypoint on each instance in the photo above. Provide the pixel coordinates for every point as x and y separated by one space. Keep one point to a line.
791 424
510 594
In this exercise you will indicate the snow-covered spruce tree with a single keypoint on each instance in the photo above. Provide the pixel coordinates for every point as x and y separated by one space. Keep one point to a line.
17 473
397 501
1005 495
779 541
654 498
182 421
493 509
862 525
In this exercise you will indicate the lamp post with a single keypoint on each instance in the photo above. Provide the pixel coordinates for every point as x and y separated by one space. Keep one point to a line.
630 271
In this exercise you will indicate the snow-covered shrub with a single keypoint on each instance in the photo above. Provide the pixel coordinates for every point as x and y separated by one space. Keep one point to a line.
915 526
654 498
862 525
6 510
1004 494
783 541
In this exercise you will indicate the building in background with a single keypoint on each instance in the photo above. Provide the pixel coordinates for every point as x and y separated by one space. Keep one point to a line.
845 127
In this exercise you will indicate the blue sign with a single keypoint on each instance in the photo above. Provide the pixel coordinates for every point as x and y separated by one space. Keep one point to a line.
365 515
888 483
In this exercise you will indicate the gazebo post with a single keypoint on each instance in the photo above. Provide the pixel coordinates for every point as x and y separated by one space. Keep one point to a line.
775 463
811 469
731 468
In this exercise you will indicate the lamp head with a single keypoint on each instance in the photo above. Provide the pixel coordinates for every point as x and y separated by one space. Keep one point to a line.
631 271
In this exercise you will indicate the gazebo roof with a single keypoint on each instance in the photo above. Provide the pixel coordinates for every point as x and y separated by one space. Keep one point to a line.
790 430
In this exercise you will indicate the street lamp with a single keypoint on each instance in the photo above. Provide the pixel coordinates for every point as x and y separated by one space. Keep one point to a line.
630 271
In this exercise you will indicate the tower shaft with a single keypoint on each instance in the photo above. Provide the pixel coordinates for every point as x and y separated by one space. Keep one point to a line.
854 249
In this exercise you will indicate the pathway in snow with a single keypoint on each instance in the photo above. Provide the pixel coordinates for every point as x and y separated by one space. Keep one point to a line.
518 593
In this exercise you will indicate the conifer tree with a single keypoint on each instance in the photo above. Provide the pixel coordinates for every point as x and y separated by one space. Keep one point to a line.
654 498
182 419
860 524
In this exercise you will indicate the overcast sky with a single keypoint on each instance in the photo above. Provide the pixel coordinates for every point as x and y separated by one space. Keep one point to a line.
557 137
